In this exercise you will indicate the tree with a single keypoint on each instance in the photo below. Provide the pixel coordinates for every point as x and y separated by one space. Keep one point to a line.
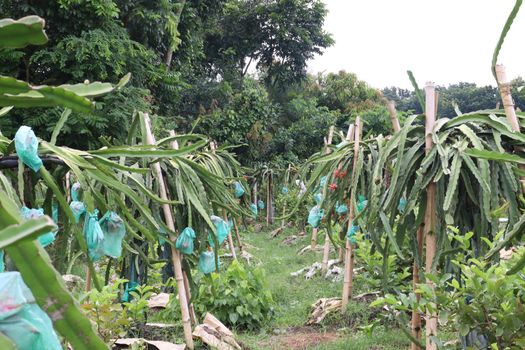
278 36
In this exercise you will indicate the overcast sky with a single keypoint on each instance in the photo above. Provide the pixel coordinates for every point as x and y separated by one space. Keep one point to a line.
444 41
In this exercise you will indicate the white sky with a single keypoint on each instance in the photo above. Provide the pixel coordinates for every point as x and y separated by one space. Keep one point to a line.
445 41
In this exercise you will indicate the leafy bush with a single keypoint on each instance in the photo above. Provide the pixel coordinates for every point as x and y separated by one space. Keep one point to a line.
239 297
484 305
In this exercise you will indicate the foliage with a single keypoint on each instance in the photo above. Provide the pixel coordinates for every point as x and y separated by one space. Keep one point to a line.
482 302
239 297
110 318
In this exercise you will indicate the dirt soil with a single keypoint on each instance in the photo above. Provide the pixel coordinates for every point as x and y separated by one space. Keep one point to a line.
299 338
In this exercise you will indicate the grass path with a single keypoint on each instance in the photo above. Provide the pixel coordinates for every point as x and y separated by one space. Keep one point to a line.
294 296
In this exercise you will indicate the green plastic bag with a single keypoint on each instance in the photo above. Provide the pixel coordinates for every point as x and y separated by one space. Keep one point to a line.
21 319
361 203
45 239
284 190
239 190
253 207
222 228
351 233
114 231
318 197
341 209
322 181
207 262
78 209
260 204
163 236
2 264
315 216
54 211
75 192
94 235
130 287
402 205
185 241
26 145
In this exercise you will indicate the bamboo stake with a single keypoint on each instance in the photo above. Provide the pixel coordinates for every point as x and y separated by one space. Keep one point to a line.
416 316
175 254
430 212
348 138
193 316
506 97
508 105
391 106
269 216
326 247
349 254
238 236
287 179
327 141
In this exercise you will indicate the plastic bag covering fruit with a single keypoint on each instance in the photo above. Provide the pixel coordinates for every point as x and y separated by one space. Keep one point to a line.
29 214
94 235
222 228
402 205
341 209
315 216
185 241
284 190
78 209
322 181
207 262
350 234
260 204
21 319
163 236
26 145
361 203
318 197
114 231
253 207
75 192
2 264
239 190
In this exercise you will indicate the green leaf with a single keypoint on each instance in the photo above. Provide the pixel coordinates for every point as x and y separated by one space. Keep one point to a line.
503 34
20 33
497 156
28 230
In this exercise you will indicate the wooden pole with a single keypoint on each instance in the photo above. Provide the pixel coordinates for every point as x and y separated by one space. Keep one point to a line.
175 254
506 97
391 106
237 235
508 105
416 316
349 135
349 254
269 204
286 180
327 141
193 316
326 247
430 212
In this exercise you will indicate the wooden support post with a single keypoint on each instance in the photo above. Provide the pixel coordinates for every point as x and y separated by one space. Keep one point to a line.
327 141
237 235
193 316
350 134
230 239
508 105
286 180
175 254
416 317
391 106
349 254
326 247
430 212
269 200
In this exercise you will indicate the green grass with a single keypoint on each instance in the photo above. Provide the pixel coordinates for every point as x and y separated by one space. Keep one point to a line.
295 295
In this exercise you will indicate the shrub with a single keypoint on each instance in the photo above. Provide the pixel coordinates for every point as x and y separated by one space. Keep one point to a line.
238 297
